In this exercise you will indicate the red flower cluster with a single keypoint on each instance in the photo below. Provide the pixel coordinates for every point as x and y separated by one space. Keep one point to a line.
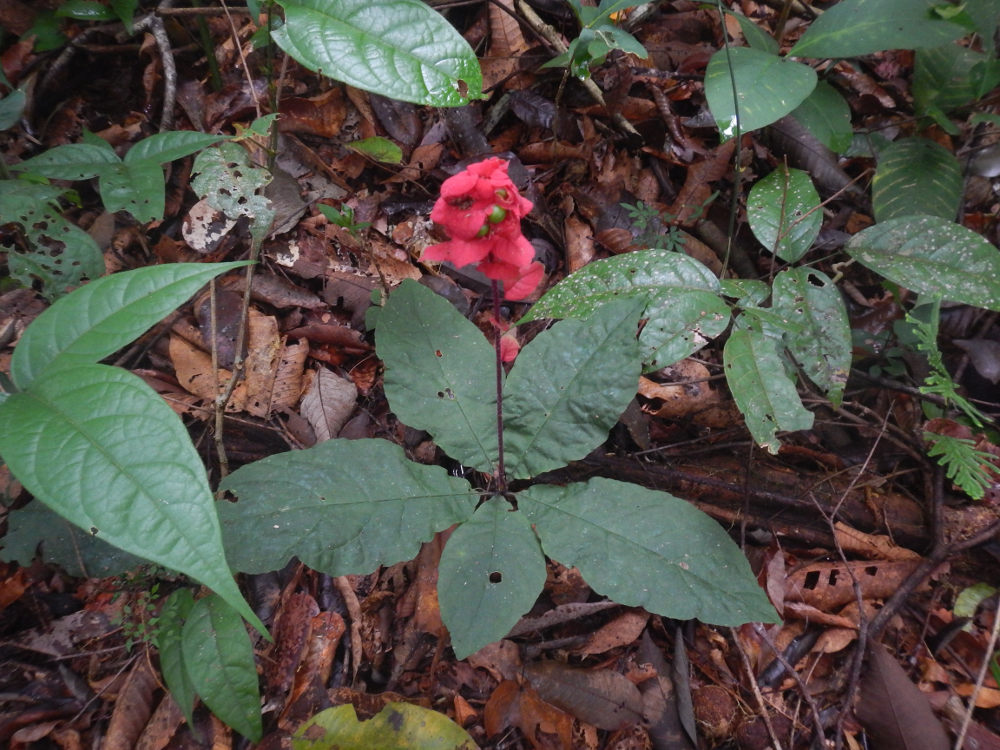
482 210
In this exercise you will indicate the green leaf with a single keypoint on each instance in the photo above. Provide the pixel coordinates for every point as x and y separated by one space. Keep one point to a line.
683 307
11 107
37 527
103 450
398 726
218 659
755 36
768 88
827 115
137 188
73 161
378 148
401 49
916 176
491 572
820 335
647 549
105 315
783 211
125 11
568 387
934 256
859 27
761 388
439 374
342 507
60 255
985 14
85 10
943 78
166 147
169 642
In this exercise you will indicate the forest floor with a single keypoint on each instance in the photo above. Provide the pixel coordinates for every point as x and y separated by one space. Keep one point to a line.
854 533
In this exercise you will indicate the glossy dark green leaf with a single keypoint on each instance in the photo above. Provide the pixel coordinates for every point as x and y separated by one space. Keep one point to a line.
169 642
647 549
342 507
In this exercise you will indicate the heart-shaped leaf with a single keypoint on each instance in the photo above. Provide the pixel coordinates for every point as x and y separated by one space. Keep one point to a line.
783 211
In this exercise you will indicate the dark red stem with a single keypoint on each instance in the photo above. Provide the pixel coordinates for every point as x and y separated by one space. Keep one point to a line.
501 471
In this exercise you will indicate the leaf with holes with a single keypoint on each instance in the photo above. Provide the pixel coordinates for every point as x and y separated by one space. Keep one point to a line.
648 549
316 505
401 49
568 387
491 572
683 308
232 185
762 390
916 176
439 374
931 255
768 87
783 211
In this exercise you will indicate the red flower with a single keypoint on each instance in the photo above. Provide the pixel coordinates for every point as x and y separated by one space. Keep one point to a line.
481 210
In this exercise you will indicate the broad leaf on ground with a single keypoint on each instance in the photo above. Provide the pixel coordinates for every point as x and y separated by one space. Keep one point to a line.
683 308
859 27
439 374
342 507
783 211
103 450
768 87
916 176
931 255
762 390
398 726
72 161
401 49
218 659
647 549
568 387
491 572
105 315
820 337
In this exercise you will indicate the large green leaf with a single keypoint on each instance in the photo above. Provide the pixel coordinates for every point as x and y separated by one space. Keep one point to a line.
170 644
819 336
761 388
943 77
783 211
916 176
36 528
827 115
105 315
218 659
568 388
401 49
859 27
73 161
768 87
137 188
398 726
931 255
342 506
176 144
647 549
99 447
683 307
491 573
60 255
439 374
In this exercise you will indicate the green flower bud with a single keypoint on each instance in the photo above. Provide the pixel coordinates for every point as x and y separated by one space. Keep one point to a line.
496 215
483 231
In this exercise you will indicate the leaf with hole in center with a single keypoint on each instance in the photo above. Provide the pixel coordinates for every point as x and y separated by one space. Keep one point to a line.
218 659
768 87
931 255
342 507
103 450
398 726
916 176
439 374
491 572
859 27
105 315
783 211
231 184
683 307
647 549
820 335
401 49
762 390
568 387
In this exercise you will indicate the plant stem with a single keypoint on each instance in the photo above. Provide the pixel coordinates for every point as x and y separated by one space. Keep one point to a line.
501 471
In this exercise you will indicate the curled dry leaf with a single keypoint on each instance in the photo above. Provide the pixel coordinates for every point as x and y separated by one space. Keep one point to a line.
328 403
193 367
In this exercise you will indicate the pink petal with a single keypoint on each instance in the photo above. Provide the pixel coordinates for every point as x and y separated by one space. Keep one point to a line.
509 347
526 284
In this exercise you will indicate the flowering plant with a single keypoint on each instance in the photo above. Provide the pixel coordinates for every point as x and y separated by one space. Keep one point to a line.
481 210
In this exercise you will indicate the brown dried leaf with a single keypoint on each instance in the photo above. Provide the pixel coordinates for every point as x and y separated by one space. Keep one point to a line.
328 403
621 631
132 708
828 586
264 351
193 367
601 697
542 724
